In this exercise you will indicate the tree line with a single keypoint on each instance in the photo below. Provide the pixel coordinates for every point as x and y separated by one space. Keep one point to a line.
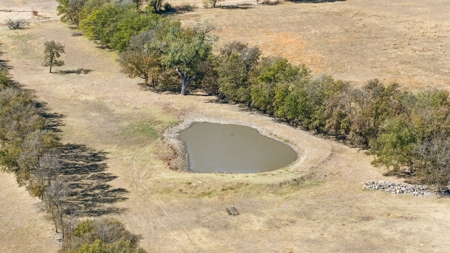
30 148
405 131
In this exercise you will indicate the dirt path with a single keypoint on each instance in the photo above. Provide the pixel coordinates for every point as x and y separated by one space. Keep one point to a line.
22 227
183 212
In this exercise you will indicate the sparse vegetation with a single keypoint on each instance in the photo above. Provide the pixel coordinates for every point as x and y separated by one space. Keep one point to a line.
16 24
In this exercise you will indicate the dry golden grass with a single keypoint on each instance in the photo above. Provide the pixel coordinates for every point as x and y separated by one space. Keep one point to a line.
403 41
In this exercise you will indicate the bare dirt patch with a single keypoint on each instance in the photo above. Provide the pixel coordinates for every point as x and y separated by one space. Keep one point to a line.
315 205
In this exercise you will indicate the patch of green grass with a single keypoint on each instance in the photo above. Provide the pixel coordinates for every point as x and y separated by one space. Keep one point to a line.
189 190
146 129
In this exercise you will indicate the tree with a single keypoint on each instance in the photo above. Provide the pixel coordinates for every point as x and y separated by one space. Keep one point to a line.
32 150
270 73
41 177
210 3
183 49
236 61
113 25
70 10
52 52
375 103
337 110
90 6
54 198
132 23
138 62
156 4
19 117
433 161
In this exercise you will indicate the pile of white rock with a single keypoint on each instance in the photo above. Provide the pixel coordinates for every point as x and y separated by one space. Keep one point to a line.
398 188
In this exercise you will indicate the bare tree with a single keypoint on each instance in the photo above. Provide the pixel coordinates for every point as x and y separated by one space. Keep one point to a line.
54 199
49 167
433 163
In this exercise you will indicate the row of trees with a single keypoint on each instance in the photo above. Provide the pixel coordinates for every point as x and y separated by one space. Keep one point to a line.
31 149
404 130
155 48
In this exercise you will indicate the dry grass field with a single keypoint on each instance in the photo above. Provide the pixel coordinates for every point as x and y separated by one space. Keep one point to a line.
324 210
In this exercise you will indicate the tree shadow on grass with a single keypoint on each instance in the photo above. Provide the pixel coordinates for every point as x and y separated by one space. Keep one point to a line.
74 71
53 120
315 1
4 63
406 175
89 191
236 6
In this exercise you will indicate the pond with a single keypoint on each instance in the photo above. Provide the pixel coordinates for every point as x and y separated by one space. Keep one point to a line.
215 147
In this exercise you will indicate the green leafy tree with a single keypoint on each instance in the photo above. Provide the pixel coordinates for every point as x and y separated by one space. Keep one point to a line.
396 147
113 25
18 118
337 109
183 49
235 63
52 52
374 104
416 140
70 10
102 23
139 62
132 23
269 74
90 6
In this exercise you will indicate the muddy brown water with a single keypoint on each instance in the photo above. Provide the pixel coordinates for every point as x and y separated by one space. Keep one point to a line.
216 147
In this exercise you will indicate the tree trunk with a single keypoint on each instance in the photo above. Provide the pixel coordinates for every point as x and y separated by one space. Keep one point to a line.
184 85
50 68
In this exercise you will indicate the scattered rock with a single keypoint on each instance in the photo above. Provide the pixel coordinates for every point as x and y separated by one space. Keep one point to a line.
399 188
232 211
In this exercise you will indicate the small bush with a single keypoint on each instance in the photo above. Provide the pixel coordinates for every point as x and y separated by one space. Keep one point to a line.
16 24
101 235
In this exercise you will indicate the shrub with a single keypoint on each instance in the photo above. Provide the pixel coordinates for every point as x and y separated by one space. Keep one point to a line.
16 24
101 235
